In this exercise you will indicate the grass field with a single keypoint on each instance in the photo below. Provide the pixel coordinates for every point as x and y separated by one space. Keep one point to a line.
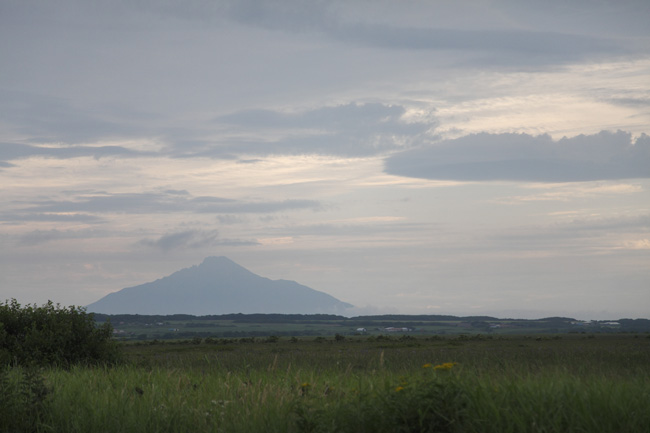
568 383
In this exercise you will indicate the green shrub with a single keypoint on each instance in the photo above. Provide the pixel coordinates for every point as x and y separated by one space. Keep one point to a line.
53 335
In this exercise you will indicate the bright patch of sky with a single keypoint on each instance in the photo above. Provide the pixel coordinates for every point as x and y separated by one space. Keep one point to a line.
485 157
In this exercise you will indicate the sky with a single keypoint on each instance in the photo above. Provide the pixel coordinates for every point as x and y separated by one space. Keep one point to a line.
412 157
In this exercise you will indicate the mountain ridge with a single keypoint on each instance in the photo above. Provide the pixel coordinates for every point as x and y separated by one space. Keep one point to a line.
218 286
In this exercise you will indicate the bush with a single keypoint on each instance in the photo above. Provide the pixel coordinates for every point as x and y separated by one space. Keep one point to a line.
53 335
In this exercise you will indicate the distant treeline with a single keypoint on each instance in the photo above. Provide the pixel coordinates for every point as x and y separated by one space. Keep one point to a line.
627 325
389 319
635 325
236 318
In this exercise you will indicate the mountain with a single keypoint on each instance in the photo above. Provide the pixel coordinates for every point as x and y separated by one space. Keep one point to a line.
218 286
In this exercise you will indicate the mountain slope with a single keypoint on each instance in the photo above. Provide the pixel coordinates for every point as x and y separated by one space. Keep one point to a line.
217 286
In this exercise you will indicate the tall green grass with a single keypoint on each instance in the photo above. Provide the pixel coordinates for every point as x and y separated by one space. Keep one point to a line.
511 385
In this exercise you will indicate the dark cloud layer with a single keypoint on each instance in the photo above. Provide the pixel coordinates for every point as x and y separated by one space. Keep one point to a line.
526 158
516 45
506 46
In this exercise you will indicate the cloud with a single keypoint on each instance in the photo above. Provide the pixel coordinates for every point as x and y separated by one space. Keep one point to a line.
259 207
37 237
526 158
191 239
641 244
570 191
640 223
507 46
354 129
50 217
512 44
352 116
48 119
569 235
13 151
154 202
378 229
636 101
184 239
230 219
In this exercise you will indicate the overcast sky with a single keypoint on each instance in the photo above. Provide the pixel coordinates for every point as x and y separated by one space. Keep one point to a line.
429 157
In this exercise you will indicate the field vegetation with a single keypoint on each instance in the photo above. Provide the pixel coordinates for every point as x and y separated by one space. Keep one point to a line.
339 383
130 327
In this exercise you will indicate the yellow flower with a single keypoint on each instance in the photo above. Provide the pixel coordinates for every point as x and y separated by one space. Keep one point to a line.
445 366
427 365
399 388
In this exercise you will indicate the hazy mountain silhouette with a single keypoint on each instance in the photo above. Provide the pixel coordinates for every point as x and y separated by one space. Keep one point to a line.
218 286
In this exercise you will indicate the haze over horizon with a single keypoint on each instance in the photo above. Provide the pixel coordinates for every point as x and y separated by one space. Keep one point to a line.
462 158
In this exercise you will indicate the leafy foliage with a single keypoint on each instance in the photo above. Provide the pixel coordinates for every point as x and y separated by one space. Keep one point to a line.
53 335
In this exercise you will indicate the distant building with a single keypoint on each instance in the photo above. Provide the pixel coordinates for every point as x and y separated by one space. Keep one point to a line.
391 329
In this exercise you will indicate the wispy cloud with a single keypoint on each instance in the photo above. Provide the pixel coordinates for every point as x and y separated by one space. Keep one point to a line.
49 119
640 244
49 217
192 239
354 129
13 151
566 192
155 202
37 237
577 233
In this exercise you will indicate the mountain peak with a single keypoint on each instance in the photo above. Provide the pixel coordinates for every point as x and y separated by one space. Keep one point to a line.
217 260
218 286
220 266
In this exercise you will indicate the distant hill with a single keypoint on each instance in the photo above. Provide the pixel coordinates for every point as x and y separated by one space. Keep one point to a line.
218 286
